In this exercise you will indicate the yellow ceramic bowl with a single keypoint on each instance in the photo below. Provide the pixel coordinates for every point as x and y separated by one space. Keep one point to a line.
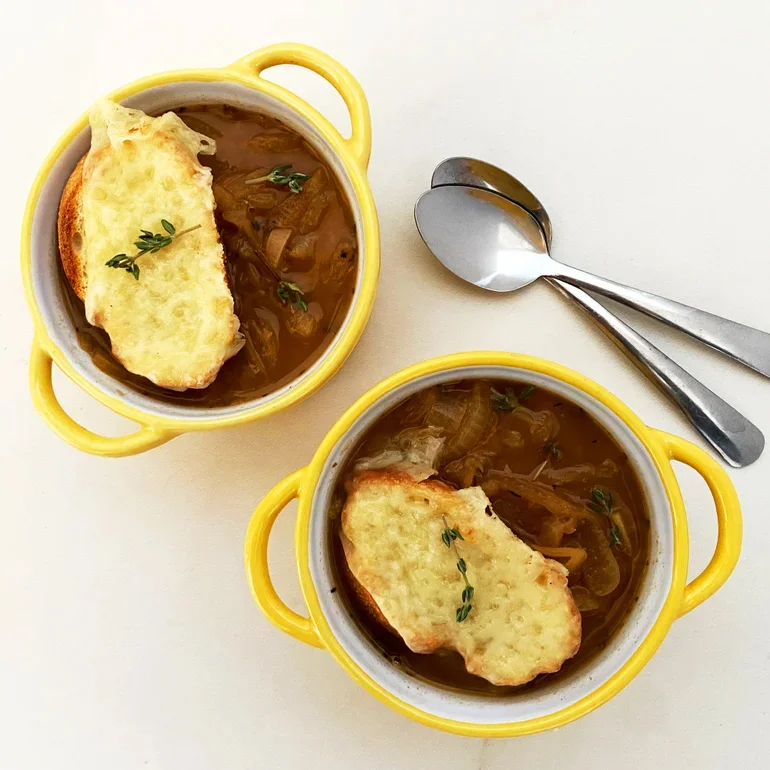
55 340
664 596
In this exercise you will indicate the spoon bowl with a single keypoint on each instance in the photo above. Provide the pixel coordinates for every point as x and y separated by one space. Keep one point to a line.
472 172
482 237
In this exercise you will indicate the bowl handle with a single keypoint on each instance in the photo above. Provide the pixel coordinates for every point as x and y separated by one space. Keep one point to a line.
360 142
46 403
257 568
729 520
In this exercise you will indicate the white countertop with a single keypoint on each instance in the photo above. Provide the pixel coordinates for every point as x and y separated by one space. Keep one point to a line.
129 638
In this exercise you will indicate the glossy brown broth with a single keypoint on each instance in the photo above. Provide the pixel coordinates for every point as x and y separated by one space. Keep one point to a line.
313 232
518 436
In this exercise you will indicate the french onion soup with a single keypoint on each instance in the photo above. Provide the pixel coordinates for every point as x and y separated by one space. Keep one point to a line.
489 535
215 302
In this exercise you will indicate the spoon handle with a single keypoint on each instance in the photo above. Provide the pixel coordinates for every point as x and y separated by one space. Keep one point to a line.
737 439
745 344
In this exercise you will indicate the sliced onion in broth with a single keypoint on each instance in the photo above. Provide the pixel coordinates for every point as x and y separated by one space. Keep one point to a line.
601 572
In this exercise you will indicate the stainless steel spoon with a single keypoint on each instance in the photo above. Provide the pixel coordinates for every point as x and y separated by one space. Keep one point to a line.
738 440
506 269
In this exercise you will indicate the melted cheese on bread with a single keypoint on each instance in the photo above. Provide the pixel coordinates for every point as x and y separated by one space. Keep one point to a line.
523 621
175 325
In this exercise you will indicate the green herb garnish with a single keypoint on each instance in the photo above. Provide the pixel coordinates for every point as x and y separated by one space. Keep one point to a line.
148 243
276 176
526 393
288 291
552 448
448 537
601 502
508 401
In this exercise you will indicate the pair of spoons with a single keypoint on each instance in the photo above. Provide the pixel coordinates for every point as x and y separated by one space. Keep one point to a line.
490 230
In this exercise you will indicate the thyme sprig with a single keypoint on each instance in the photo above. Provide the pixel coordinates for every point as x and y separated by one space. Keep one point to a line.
276 176
148 243
448 537
603 503
552 449
508 401
526 392
288 291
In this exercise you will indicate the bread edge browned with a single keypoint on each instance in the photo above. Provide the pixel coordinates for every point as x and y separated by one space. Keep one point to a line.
71 231
365 599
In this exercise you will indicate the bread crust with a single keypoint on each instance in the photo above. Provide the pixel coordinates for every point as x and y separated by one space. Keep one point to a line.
71 231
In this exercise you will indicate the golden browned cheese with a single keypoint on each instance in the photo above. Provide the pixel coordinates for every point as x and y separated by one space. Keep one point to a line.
523 620
176 325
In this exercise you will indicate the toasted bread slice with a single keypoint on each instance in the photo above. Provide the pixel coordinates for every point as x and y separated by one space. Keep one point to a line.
523 620
175 324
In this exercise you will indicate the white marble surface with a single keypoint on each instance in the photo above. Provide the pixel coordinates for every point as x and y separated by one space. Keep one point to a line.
129 638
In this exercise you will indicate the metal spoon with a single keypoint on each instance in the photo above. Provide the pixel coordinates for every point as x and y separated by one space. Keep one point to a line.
478 173
506 269
738 440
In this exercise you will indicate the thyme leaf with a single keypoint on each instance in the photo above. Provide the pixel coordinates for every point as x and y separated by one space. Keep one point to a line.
147 243
288 291
508 401
448 536
601 502
293 180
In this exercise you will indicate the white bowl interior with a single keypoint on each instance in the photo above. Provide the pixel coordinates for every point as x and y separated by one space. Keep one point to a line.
482 709
45 255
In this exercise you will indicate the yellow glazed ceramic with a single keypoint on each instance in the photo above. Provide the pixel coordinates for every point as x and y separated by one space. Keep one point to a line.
664 596
55 341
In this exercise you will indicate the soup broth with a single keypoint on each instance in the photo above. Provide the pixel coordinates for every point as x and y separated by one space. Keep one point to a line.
272 237
536 455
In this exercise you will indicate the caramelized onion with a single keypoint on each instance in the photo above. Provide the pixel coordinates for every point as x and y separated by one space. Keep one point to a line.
553 529
468 468
583 474
290 211
315 211
417 408
601 572
418 447
607 469
302 323
262 200
280 141
264 337
474 423
512 438
233 210
533 491
574 555
507 511
301 250
276 243
447 411
543 426
340 261
585 600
